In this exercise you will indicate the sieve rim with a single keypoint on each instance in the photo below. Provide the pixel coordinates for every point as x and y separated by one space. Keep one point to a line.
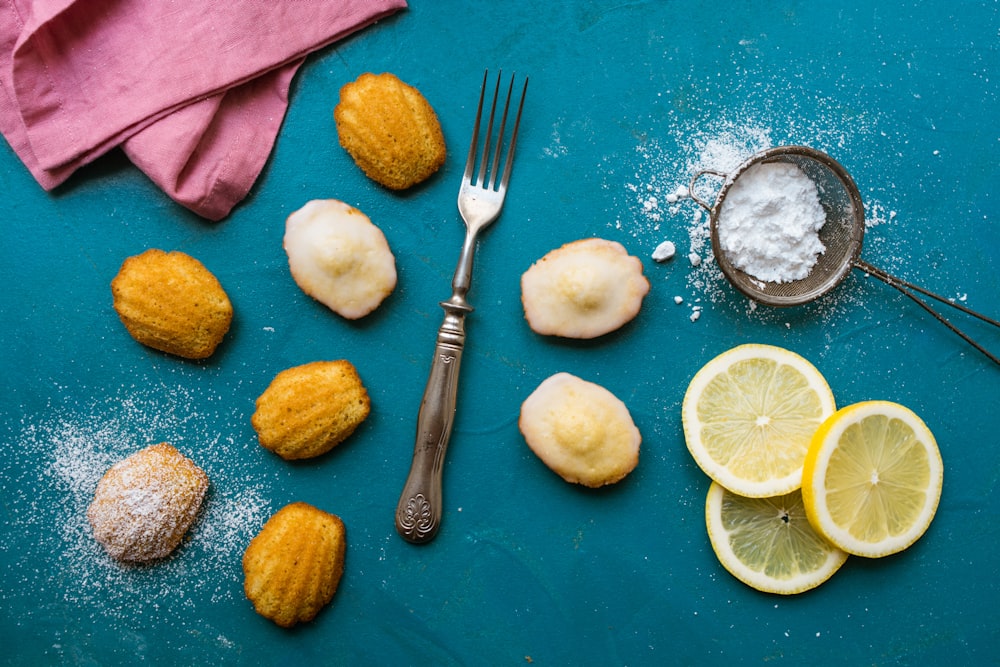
754 288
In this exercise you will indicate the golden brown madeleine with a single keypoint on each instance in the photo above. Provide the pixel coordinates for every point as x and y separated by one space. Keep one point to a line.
145 503
292 567
308 410
390 130
171 302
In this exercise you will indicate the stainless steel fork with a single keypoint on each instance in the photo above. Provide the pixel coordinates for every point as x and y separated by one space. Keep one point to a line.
480 198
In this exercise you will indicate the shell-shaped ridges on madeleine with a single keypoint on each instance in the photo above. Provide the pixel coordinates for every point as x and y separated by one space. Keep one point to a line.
171 302
308 410
390 130
293 566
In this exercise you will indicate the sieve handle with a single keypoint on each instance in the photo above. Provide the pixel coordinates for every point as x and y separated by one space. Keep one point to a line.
694 179
908 289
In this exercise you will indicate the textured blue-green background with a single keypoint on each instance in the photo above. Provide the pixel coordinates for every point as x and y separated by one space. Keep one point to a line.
623 96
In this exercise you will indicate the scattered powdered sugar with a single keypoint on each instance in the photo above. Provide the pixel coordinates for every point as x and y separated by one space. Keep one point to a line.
59 459
670 175
659 197
664 251
769 223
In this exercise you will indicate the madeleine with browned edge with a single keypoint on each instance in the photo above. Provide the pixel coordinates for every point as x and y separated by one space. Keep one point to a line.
170 302
308 410
583 289
293 566
390 130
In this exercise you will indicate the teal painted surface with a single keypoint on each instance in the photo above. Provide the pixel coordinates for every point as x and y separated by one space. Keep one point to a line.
624 98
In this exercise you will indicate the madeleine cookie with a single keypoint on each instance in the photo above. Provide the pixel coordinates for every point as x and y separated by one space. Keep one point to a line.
584 289
390 130
169 301
338 257
580 430
310 409
145 503
292 567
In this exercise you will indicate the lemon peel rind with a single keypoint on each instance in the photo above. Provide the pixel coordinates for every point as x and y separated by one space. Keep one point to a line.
718 537
719 472
817 465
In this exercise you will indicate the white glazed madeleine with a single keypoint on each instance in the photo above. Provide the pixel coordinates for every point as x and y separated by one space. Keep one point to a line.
583 289
339 257
580 430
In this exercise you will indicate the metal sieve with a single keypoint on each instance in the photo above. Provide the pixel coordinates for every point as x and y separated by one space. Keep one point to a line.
842 235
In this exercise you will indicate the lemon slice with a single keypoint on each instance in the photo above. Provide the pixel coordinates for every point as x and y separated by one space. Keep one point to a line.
872 478
768 543
749 415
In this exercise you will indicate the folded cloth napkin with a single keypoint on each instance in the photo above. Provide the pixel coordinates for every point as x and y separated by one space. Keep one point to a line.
194 92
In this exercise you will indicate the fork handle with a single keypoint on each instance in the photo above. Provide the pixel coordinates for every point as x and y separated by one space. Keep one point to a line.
418 514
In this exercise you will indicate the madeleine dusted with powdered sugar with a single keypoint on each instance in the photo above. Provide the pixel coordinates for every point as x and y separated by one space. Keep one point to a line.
145 503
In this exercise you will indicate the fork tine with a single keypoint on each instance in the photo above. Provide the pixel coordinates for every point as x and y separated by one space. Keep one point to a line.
509 160
470 163
489 133
503 125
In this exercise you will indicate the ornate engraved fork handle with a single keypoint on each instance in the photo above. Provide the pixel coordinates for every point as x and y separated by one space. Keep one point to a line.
418 514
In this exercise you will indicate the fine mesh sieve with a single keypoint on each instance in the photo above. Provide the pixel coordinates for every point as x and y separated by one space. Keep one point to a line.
842 235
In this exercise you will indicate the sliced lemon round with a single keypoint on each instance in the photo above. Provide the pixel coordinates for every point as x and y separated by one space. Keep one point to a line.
872 478
749 415
768 543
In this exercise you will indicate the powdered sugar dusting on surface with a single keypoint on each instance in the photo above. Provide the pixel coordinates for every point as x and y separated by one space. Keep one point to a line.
655 204
62 455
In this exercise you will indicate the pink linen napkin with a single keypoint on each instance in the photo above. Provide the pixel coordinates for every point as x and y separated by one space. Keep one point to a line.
194 92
